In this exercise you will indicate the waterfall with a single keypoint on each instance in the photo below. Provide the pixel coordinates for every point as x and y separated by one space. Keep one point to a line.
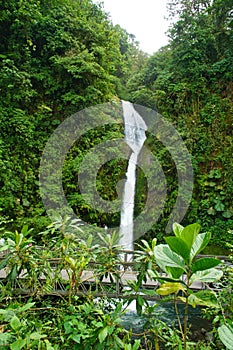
134 129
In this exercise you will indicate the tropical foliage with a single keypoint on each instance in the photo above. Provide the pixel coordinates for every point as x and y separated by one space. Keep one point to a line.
58 296
57 58
190 82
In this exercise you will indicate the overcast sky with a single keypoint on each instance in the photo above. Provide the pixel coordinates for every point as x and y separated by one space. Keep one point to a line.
143 18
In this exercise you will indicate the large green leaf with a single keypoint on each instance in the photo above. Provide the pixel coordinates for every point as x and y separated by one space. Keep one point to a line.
18 344
168 288
15 323
208 276
202 298
166 257
174 272
205 264
190 233
103 334
178 246
200 243
226 335
177 229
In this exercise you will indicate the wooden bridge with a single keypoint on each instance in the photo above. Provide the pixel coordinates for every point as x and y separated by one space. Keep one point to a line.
112 285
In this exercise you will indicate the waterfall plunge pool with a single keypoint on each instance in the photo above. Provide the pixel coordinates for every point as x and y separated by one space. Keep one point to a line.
165 312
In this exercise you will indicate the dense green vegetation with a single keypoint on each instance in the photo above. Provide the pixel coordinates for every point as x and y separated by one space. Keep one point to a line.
58 57
48 301
190 82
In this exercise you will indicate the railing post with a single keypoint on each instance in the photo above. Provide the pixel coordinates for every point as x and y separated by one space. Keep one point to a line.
117 287
125 261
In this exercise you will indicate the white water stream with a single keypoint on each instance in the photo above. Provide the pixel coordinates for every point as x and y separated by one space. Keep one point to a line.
134 129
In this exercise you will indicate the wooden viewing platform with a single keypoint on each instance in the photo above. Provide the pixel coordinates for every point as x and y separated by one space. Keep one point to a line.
110 285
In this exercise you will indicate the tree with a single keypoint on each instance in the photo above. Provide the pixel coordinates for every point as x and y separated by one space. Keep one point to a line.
57 57
190 82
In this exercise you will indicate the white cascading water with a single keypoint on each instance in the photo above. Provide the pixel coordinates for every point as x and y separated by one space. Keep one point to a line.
134 129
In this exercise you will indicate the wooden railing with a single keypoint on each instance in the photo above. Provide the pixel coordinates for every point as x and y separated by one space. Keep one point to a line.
111 286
